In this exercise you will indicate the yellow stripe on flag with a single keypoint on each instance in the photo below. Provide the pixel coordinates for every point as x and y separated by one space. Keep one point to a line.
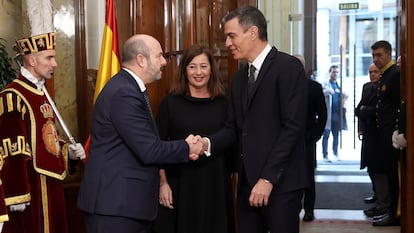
109 63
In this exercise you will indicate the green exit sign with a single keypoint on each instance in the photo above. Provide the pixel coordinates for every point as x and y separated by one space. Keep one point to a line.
349 6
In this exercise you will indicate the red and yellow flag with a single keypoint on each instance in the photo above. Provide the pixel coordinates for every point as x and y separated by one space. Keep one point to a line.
109 63
109 60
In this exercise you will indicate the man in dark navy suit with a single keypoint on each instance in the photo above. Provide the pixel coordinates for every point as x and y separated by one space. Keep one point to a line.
268 100
315 125
119 190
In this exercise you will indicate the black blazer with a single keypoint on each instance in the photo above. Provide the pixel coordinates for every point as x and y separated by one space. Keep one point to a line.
270 127
365 110
367 124
388 100
122 175
316 115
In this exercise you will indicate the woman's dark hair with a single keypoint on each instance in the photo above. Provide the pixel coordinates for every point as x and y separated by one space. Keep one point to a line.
215 85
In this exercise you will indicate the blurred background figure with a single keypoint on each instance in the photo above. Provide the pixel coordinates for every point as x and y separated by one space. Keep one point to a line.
315 124
336 121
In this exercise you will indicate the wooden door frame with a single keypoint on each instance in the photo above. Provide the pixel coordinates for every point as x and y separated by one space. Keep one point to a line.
407 88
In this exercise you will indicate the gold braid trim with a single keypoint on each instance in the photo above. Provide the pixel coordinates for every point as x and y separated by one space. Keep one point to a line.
45 203
4 218
65 153
17 199
20 147
29 110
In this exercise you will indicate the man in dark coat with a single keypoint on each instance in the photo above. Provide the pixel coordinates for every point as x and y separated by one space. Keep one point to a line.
315 125
269 99
367 127
385 170
120 187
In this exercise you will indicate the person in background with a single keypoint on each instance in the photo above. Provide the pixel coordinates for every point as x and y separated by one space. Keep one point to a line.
268 115
195 197
336 121
367 130
35 158
120 187
398 63
315 124
388 103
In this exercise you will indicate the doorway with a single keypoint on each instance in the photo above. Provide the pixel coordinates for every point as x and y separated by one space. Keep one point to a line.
345 31
344 35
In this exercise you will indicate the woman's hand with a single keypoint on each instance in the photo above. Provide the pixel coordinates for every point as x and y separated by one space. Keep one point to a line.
166 198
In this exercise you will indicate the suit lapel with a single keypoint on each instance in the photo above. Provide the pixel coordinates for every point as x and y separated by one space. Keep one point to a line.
144 96
262 74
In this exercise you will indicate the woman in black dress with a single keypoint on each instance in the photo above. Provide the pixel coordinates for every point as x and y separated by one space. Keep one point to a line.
196 197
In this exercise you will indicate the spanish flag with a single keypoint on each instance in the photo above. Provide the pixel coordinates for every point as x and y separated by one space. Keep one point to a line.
109 63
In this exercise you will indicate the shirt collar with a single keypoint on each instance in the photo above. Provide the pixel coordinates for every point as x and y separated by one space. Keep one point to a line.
29 76
137 79
386 66
258 61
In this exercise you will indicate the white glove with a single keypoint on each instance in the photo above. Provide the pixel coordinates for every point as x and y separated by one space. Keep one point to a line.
19 207
398 140
76 151
1 226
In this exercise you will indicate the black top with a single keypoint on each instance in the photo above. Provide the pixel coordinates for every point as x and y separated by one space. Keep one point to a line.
201 189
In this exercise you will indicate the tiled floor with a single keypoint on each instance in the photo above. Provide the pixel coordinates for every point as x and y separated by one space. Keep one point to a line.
342 221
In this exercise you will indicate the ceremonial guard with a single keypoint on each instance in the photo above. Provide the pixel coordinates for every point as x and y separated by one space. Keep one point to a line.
35 158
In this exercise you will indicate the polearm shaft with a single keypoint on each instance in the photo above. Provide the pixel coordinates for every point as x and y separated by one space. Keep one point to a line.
59 117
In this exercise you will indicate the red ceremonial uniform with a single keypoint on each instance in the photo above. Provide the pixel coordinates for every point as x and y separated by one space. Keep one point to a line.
35 162
3 209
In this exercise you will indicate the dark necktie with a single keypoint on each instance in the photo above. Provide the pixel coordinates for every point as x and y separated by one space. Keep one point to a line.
148 103
150 111
251 80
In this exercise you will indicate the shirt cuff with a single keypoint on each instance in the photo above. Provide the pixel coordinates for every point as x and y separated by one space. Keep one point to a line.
208 151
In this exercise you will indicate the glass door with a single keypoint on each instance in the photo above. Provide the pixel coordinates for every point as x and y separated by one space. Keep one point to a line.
345 32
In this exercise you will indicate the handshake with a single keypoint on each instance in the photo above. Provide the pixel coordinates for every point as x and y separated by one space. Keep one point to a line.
198 146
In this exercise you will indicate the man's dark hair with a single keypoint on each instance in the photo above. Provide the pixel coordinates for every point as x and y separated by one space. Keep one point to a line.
249 16
333 67
382 44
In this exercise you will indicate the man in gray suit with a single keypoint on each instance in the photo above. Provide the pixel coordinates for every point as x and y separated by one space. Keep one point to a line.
119 190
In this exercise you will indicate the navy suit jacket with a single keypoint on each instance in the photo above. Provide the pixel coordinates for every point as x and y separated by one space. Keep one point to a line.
122 173
270 127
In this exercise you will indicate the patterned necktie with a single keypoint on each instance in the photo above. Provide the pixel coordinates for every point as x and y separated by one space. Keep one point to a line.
251 80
